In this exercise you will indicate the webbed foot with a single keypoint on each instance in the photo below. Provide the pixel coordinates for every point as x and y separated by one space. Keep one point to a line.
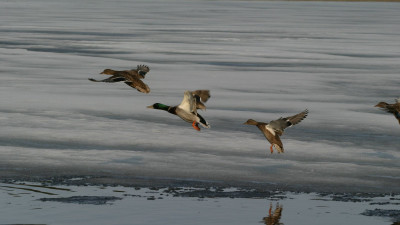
196 126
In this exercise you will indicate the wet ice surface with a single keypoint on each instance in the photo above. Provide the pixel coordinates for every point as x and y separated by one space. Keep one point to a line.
129 205
261 60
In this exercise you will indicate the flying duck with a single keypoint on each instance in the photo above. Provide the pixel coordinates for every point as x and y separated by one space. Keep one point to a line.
130 77
274 217
187 110
275 128
391 108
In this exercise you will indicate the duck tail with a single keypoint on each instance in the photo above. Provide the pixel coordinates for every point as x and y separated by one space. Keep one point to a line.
203 122
279 148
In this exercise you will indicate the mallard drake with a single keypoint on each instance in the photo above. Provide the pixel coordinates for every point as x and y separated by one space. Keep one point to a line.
275 128
130 77
187 110
391 108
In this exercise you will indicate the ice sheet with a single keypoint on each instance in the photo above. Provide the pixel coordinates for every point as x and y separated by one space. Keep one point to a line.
260 59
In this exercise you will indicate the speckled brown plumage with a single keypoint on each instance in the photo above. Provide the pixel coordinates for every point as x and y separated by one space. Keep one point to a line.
274 217
130 77
274 129
391 108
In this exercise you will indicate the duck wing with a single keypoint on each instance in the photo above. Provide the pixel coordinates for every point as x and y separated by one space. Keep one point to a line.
203 95
188 103
138 85
282 123
111 79
297 118
199 104
142 70
203 122
276 127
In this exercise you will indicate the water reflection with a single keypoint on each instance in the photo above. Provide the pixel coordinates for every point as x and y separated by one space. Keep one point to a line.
274 216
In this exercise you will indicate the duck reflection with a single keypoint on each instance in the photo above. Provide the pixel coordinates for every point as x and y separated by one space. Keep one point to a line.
273 216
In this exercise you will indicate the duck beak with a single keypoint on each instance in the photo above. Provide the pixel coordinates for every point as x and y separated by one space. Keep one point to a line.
150 107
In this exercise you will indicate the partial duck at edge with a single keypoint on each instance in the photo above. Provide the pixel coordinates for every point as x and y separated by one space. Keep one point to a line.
391 108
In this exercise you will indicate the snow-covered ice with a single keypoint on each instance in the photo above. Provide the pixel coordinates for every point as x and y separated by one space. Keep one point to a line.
260 59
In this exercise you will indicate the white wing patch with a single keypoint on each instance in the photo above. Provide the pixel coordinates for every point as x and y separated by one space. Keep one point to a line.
188 104
270 129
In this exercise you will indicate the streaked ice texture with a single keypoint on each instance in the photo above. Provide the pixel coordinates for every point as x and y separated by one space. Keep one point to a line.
260 59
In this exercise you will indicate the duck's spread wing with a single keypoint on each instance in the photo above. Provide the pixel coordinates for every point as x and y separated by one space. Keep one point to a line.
281 124
204 95
188 103
138 84
142 70
297 118
199 104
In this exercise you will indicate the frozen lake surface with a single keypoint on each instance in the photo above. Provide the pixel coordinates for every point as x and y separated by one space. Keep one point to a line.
260 59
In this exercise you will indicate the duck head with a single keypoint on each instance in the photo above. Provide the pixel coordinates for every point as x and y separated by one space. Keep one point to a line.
108 72
158 106
382 105
251 122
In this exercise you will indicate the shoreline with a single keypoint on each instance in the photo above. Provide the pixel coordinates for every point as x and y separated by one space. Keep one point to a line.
158 183
200 191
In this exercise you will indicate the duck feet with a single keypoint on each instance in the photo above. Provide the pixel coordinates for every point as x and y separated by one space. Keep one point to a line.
270 209
272 150
196 126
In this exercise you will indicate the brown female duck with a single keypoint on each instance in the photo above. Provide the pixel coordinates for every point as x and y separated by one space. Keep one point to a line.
391 108
274 129
130 77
